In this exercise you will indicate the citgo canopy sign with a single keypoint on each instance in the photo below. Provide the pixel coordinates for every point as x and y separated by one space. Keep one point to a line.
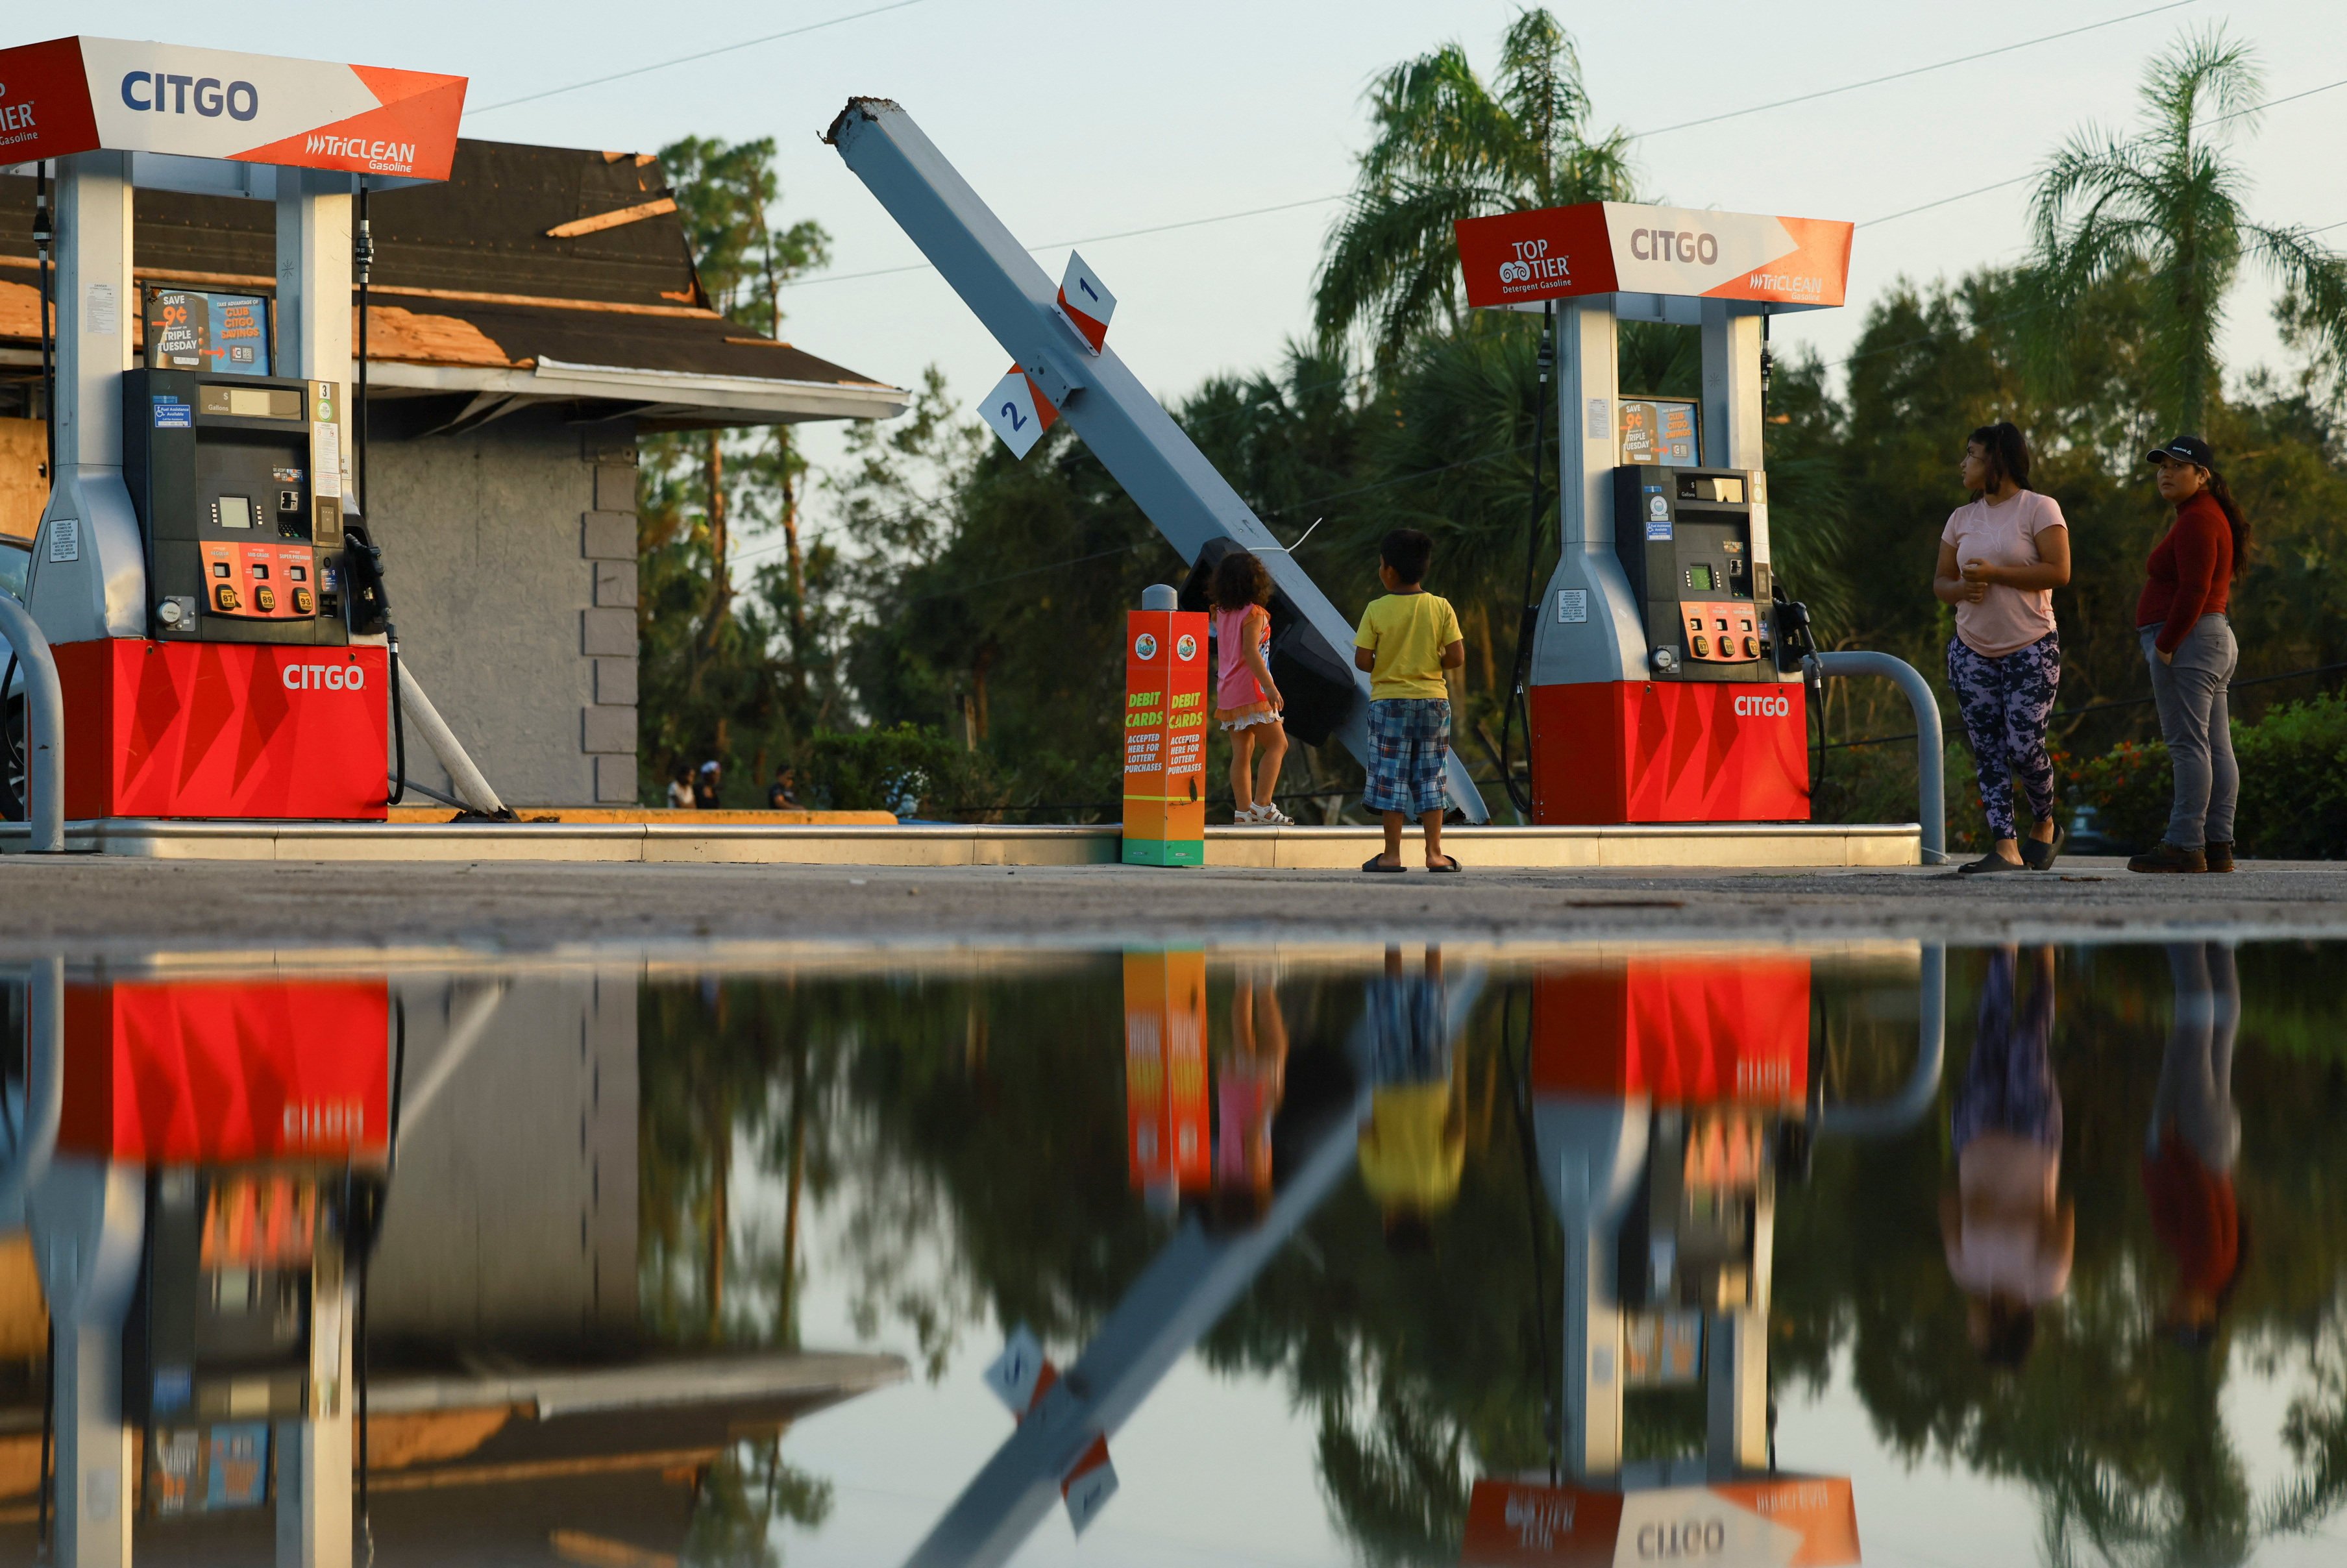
81 95
1611 247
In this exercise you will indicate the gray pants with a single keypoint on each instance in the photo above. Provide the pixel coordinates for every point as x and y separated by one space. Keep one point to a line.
2198 727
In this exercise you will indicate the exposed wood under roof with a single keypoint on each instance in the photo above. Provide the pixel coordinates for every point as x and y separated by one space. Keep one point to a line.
535 273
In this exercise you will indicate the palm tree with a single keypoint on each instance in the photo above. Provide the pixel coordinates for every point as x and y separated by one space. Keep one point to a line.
2165 206
1448 147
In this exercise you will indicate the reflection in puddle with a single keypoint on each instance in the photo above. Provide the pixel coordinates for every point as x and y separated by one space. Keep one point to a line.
1568 1254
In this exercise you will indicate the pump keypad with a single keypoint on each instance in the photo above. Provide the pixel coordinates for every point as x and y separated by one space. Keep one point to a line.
245 578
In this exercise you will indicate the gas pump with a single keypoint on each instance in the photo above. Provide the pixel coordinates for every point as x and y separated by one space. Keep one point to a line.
193 570
1662 684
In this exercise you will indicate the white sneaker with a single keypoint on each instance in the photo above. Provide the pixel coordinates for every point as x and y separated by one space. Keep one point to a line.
1272 816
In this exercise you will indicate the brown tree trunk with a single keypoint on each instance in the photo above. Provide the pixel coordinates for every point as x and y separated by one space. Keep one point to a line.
720 1177
791 1204
978 689
798 562
721 580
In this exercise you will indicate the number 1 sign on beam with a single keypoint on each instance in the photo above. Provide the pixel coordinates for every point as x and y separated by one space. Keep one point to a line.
1085 300
1018 412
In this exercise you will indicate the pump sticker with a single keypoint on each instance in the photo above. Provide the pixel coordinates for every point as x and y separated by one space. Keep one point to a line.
170 414
1571 606
327 457
1658 518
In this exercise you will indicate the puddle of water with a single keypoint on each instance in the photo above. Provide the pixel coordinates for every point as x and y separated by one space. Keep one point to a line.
1910 1255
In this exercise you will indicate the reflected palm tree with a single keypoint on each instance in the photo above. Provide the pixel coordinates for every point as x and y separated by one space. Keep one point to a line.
742 1498
1394 1465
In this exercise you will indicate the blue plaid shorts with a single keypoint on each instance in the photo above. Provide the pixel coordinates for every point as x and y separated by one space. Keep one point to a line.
1409 742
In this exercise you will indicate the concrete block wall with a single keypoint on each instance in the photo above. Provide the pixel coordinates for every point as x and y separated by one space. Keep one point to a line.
510 558
513 1216
606 631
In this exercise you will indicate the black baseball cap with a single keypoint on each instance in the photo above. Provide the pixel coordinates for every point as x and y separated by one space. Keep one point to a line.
2184 449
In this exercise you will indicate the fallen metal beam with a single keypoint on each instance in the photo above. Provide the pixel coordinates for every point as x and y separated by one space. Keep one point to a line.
1125 428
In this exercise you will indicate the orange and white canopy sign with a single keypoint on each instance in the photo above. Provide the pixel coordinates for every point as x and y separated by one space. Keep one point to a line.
81 95
1611 247
1785 1522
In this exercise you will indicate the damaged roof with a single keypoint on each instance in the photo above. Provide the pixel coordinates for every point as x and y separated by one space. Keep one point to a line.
533 274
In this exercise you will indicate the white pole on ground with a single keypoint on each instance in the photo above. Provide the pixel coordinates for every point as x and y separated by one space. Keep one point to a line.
472 787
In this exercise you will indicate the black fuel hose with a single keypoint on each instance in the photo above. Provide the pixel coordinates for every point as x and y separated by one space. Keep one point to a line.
8 732
398 725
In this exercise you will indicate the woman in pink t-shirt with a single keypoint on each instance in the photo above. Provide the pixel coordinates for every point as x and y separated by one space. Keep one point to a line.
2000 558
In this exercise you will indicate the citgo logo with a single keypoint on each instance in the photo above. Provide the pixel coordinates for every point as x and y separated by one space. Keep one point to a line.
324 677
1145 647
1763 707
1185 648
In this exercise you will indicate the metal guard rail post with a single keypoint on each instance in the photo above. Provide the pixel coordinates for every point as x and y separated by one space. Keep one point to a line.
1930 750
45 728
1915 1097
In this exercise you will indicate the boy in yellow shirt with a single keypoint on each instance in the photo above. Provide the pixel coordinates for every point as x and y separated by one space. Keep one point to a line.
1406 640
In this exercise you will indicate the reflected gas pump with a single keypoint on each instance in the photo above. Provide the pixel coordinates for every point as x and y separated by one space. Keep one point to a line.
1669 1093
219 1156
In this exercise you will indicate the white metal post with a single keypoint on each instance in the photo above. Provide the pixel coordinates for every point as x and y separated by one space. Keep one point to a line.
314 1453
89 576
314 277
1593 1356
1736 1366
1731 385
88 1223
1590 628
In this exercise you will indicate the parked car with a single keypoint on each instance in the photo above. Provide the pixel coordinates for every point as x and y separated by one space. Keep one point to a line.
2087 837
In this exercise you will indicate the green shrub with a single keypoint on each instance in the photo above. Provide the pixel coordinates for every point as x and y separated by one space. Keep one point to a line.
2130 787
2293 784
911 770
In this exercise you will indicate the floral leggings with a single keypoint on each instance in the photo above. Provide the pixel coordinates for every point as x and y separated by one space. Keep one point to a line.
2004 703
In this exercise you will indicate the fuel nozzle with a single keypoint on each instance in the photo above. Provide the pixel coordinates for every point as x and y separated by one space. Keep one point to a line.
1795 640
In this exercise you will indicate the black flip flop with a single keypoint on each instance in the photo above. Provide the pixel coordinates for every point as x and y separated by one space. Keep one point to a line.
1450 867
1377 863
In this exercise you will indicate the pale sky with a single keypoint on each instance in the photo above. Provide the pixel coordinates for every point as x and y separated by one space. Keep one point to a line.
1075 121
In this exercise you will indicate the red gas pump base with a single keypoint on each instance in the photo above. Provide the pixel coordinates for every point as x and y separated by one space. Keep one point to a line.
1670 751
223 731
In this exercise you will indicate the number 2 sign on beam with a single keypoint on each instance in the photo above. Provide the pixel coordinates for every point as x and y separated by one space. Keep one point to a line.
1016 412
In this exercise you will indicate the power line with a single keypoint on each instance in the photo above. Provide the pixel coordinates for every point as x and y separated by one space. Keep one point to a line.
1915 71
1090 240
1634 136
688 59
2024 178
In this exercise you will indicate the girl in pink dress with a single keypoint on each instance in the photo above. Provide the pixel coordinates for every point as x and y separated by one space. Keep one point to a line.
1246 700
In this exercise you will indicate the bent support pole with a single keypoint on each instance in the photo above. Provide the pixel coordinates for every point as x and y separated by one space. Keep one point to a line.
1183 1293
472 787
1125 428
45 728
1930 749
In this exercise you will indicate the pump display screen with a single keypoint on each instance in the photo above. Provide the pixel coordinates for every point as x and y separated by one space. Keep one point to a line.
1699 578
250 402
235 512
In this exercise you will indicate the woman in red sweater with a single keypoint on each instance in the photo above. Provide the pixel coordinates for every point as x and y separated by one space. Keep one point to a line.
2189 644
